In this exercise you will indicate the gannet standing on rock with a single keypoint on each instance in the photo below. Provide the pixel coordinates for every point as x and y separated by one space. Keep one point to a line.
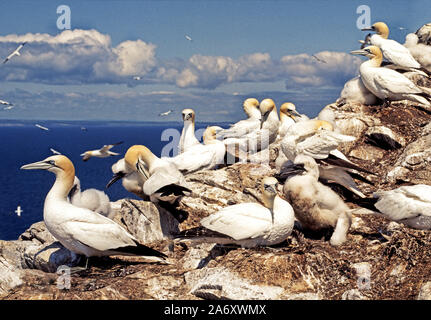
388 84
188 138
103 152
81 230
241 128
287 114
201 156
392 51
92 199
316 206
248 224
132 180
164 181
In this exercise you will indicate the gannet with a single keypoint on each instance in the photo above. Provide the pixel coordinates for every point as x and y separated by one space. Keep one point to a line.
392 51
165 113
248 224
54 151
8 108
132 180
137 78
241 128
92 199
188 38
201 156
410 205
5 103
15 53
318 59
41 127
188 137
164 181
287 118
385 83
355 91
103 152
316 206
81 230
18 211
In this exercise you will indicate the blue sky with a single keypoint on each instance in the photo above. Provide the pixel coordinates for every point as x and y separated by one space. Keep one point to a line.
239 49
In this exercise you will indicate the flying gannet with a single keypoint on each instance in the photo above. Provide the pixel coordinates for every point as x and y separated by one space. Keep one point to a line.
15 53
81 230
241 128
316 206
392 51
209 155
164 182
248 224
188 138
165 113
41 127
132 180
103 152
188 37
385 83
54 151
92 199
5 103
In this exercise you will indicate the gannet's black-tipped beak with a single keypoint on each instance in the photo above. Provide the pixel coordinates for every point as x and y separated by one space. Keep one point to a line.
40 165
367 29
141 169
117 176
296 114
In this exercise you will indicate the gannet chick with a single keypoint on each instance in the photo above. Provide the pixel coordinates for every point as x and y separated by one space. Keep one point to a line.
164 181
188 138
92 199
392 51
316 206
248 224
81 230
241 128
355 91
385 83
103 152
132 181
410 205
208 156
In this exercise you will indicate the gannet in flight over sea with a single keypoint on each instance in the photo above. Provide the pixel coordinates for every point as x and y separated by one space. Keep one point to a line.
137 78
188 138
385 83
92 199
392 51
15 53
54 151
132 180
410 205
316 206
5 103
103 152
164 181
201 156
241 128
165 113
41 127
248 224
188 38
8 107
81 230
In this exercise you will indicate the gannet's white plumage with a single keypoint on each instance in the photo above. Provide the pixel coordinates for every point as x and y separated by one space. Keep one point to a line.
16 52
81 230
355 91
248 224
164 181
392 51
92 199
316 206
201 156
131 180
386 83
287 118
410 205
5 103
103 152
188 138
241 128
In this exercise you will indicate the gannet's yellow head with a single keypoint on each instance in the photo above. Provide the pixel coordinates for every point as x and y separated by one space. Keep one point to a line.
266 107
322 125
381 29
269 191
188 115
371 52
288 109
138 157
250 105
210 133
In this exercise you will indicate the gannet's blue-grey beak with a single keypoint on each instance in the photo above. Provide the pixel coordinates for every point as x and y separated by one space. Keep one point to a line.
40 165
360 52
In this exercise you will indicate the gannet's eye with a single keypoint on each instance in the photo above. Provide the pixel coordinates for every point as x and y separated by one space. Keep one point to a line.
51 162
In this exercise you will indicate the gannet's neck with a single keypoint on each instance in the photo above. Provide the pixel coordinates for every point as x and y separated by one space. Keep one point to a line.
377 40
284 117
374 63
273 115
62 186
148 157
252 112
188 129
268 201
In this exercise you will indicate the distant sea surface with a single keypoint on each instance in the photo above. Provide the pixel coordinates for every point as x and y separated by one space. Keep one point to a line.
22 142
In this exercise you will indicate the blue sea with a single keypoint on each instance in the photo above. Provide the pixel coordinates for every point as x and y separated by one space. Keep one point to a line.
22 142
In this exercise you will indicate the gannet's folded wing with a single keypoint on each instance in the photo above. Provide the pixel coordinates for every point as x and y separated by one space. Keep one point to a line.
398 55
240 221
321 144
197 157
394 82
239 129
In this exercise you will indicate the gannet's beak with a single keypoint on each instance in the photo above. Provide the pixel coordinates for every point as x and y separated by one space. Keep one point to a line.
270 189
263 118
117 176
296 114
367 29
361 41
360 52
73 191
82 154
293 169
40 165
141 169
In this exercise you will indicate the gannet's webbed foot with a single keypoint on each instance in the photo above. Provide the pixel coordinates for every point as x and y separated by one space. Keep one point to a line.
340 232
78 269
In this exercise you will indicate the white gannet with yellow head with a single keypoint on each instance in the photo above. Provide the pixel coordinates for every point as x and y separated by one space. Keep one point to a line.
81 230
385 83
103 152
188 138
208 156
392 51
248 224
241 128
316 206
164 182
